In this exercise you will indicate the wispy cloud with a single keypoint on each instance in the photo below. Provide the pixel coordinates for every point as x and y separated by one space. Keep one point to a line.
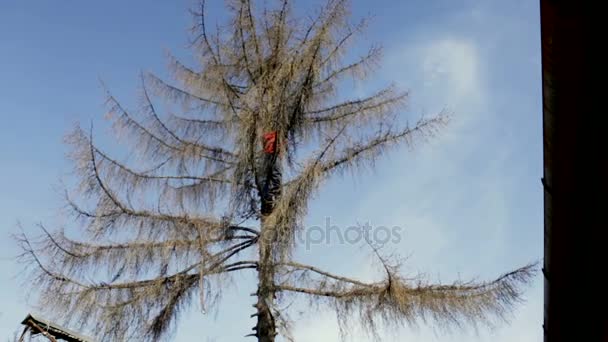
453 196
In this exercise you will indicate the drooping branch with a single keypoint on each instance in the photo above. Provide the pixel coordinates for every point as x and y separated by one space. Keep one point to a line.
361 111
150 110
328 293
29 254
183 96
340 46
118 170
112 211
107 301
353 107
211 82
194 128
372 148
304 268
356 69
80 254
153 146
397 301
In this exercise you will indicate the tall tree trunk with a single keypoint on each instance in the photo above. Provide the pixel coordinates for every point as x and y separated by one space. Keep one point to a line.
265 328
270 192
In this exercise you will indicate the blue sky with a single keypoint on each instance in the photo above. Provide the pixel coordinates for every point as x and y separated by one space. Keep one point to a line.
469 202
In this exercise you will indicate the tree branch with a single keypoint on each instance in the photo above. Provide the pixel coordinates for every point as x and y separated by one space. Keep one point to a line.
304 267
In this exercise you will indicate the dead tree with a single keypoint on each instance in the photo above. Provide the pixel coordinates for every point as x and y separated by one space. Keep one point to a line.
228 168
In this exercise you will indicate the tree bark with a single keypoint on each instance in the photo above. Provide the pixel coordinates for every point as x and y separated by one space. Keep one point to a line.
265 328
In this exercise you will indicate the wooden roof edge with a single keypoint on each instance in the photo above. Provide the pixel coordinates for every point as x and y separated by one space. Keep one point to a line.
55 328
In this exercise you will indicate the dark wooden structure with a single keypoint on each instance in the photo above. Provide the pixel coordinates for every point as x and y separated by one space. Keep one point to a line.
575 138
53 332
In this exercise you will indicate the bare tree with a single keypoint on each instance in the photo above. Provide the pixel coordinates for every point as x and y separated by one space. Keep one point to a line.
246 138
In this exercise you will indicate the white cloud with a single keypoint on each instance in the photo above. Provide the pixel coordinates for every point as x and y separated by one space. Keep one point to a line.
442 73
451 64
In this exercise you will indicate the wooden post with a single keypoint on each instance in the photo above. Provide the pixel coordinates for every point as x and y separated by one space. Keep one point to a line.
575 130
